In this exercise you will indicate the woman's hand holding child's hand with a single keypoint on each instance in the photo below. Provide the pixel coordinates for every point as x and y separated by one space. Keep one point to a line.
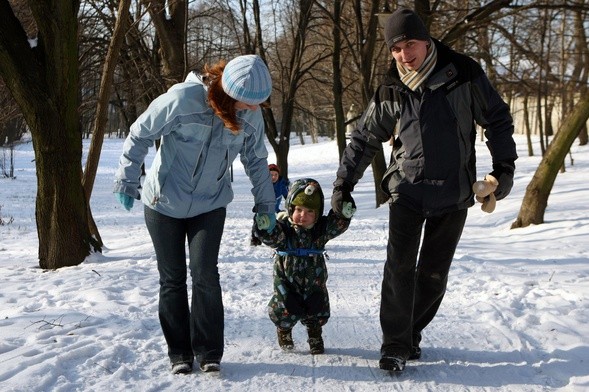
265 221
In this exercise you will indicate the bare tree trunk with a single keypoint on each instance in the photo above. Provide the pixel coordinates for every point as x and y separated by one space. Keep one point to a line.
337 86
548 109
583 137
581 69
295 69
527 125
169 20
271 128
368 44
110 63
44 82
538 190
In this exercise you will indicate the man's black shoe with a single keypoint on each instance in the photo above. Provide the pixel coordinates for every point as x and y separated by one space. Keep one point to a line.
393 363
415 353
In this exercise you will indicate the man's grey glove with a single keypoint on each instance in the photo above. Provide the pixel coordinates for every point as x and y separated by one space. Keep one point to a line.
342 202
503 172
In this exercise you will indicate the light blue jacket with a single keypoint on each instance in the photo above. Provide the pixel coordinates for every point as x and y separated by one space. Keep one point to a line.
190 172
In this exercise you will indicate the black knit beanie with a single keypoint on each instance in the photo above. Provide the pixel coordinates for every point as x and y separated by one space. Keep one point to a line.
404 24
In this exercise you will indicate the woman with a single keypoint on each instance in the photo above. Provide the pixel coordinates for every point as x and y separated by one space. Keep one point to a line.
203 124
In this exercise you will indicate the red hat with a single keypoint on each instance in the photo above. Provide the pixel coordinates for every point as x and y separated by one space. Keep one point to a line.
274 167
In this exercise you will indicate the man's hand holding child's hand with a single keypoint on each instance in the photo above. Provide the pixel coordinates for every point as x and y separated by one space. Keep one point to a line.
342 202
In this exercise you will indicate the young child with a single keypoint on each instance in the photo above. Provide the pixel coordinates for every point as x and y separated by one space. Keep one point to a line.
280 184
300 272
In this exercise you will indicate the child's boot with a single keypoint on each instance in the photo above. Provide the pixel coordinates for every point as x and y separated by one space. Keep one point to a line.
315 340
285 339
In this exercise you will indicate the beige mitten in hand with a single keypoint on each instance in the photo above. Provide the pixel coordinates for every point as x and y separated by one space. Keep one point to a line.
484 192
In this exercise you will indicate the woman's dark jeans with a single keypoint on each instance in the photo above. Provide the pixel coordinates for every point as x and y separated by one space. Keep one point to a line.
412 287
197 330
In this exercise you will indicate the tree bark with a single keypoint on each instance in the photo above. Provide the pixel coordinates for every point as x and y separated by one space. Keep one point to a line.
100 121
169 20
368 42
44 81
581 68
337 87
294 71
538 190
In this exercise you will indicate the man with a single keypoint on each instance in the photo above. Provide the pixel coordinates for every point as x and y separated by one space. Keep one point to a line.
432 97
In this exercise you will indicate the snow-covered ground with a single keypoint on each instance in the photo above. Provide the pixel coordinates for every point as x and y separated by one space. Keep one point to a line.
515 317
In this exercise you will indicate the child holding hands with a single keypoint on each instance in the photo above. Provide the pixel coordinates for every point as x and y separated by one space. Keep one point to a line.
300 272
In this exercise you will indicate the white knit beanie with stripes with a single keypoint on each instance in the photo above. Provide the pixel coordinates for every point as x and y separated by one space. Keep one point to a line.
247 79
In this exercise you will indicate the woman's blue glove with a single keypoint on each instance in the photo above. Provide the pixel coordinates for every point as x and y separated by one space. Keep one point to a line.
265 221
125 200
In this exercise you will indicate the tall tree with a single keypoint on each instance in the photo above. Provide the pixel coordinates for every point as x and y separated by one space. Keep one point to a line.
536 197
580 74
291 65
367 33
102 108
42 74
366 62
337 85
169 17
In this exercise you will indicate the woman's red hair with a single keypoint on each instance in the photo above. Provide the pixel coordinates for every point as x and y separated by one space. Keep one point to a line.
223 105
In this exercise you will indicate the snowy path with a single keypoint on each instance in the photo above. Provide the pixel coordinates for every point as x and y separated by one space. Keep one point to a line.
515 317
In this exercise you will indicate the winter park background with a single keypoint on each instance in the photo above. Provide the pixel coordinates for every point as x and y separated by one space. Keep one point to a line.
515 317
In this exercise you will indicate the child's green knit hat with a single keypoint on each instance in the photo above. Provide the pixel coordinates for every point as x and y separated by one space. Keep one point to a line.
307 193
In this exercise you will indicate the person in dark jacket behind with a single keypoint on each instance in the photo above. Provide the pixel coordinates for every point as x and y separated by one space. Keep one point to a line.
203 124
429 106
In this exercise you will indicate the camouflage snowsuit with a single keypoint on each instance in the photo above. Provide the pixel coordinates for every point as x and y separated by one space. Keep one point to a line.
300 291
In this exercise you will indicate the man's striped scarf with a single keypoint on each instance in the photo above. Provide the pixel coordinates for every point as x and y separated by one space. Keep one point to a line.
414 78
